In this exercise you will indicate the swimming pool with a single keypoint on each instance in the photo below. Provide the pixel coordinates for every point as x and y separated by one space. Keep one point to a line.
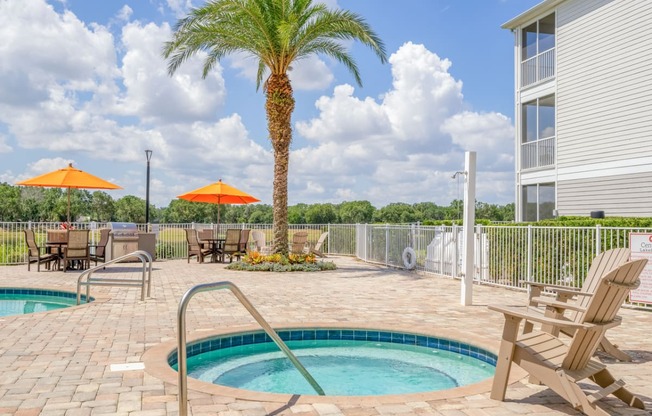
21 301
345 362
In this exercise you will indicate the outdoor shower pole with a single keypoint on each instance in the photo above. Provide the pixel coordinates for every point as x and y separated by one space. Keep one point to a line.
148 154
469 228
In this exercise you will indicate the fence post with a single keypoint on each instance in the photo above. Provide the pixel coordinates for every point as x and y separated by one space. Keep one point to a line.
386 244
529 254
456 255
598 239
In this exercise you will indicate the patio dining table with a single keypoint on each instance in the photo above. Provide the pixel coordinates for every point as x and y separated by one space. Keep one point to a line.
215 245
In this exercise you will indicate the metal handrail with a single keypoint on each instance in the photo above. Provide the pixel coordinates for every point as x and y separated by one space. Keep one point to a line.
181 349
143 256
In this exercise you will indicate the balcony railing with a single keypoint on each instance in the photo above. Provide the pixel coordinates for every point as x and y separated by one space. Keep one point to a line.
538 154
538 68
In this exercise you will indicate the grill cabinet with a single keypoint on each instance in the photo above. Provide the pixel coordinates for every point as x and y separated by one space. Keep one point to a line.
123 239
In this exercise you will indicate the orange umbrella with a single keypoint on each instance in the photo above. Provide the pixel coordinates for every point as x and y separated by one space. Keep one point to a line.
69 178
219 193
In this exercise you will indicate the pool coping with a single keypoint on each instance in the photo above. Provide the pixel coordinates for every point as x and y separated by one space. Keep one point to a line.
156 365
96 300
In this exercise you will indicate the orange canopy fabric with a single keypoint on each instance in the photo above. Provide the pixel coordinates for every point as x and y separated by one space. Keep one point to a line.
219 193
69 178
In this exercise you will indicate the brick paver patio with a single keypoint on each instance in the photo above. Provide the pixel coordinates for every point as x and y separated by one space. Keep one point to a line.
60 363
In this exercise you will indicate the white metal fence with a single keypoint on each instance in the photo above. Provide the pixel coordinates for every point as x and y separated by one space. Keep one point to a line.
504 255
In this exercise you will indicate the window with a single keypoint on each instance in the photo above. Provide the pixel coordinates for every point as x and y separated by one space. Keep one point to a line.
538 37
538 51
538 119
538 202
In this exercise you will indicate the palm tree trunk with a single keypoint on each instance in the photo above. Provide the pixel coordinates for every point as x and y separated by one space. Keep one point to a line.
279 107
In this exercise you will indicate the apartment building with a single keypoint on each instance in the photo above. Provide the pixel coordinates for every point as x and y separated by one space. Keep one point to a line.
583 108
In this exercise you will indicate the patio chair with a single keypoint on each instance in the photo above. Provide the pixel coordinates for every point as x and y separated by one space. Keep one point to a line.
244 240
299 242
34 253
316 249
571 298
203 235
562 366
99 249
194 246
232 244
259 239
77 251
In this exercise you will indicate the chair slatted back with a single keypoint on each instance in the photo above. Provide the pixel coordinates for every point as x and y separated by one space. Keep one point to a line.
321 240
299 240
191 238
104 240
205 234
259 238
602 264
609 295
244 239
232 241
30 240
77 243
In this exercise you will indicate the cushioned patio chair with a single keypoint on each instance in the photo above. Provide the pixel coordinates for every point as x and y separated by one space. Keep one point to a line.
579 298
194 246
563 366
299 242
203 235
99 250
316 249
77 251
35 253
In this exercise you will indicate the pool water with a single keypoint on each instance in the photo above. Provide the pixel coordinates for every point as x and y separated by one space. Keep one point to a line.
25 301
340 367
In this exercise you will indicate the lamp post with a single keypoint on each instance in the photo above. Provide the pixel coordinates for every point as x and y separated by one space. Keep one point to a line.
148 154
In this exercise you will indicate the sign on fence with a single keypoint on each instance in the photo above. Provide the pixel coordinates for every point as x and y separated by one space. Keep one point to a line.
641 246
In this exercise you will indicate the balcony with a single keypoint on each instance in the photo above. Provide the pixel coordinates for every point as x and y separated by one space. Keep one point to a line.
538 68
538 154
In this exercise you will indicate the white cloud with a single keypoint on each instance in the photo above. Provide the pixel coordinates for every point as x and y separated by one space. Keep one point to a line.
409 141
4 147
488 133
152 94
124 14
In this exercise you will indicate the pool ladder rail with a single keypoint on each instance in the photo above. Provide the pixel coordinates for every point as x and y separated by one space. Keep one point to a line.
145 283
181 349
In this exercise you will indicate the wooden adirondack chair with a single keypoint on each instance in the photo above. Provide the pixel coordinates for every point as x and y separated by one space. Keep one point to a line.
259 239
299 241
571 297
316 249
563 366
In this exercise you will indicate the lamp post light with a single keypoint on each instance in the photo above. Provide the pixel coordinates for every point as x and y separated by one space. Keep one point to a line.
148 154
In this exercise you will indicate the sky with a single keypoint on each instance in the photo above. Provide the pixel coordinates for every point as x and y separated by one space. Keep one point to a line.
84 82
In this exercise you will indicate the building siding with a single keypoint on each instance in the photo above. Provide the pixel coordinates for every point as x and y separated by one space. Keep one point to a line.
617 196
604 85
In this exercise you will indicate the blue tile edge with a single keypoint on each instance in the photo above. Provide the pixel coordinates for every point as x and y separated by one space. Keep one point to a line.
42 292
338 334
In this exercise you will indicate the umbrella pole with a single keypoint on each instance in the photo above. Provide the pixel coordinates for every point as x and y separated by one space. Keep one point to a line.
68 207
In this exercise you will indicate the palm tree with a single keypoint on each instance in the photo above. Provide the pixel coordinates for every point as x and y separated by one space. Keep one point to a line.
277 33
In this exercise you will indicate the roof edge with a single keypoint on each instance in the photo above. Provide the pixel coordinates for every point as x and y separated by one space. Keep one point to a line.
541 8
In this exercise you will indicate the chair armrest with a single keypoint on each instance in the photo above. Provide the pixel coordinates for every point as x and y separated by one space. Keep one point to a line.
557 304
523 313
556 288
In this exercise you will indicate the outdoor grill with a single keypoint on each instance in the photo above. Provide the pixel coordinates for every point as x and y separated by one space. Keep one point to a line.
123 239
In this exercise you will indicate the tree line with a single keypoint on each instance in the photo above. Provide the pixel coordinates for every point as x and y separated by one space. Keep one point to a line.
50 204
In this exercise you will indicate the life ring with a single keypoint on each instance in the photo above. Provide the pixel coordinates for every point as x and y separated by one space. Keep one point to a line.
409 258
